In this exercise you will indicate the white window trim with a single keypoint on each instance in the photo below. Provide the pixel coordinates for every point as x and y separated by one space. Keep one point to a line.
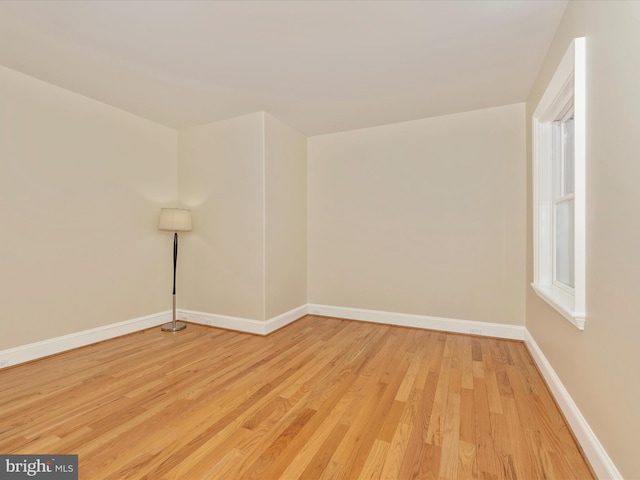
568 81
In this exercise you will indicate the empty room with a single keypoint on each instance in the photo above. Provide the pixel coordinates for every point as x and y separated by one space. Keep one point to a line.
319 239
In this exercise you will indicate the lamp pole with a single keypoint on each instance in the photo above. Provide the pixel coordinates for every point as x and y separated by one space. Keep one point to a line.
174 220
174 326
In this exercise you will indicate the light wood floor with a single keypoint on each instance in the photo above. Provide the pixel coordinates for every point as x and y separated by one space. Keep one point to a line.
321 398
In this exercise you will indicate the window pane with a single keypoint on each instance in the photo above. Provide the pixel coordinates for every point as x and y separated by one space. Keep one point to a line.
557 151
567 157
563 243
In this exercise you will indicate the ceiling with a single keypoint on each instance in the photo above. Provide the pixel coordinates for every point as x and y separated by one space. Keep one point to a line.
319 66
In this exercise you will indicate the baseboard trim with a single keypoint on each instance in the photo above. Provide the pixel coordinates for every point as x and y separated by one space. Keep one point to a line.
246 325
52 346
286 318
513 332
600 461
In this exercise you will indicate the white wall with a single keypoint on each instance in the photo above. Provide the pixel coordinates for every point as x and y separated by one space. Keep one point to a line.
423 217
599 365
81 184
221 179
245 180
285 217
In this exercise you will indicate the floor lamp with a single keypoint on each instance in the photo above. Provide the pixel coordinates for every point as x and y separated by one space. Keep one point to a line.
174 220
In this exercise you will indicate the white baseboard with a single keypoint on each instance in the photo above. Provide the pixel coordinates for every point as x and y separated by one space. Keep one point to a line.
51 346
33 351
286 318
600 461
240 324
514 332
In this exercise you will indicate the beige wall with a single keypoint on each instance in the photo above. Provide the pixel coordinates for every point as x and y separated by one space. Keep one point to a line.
220 177
245 180
599 365
423 217
285 217
81 184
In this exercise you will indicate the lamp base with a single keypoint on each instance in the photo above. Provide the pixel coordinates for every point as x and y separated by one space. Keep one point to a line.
174 327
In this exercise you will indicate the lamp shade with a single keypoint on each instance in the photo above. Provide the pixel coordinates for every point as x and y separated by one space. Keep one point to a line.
175 219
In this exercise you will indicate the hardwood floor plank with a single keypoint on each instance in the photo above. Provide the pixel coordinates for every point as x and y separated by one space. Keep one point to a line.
262 467
436 420
409 379
372 468
321 456
520 452
332 472
467 466
396 451
467 416
391 421
450 438
466 364
354 447
486 453
319 399
430 462
418 420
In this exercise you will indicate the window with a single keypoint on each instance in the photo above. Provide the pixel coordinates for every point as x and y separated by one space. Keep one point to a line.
559 188
562 159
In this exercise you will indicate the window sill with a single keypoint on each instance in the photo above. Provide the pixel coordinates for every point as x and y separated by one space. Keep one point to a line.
562 302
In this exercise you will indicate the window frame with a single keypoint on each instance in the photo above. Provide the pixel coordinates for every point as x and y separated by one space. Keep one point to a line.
565 88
